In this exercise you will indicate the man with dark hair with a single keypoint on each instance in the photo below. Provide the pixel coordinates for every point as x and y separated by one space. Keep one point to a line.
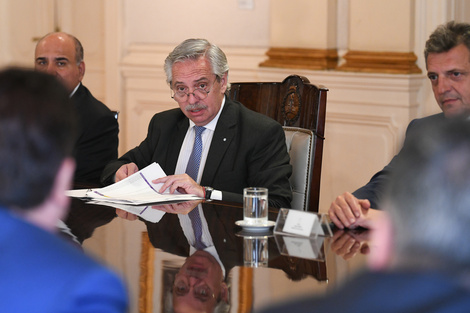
447 54
61 55
419 259
40 271
239 147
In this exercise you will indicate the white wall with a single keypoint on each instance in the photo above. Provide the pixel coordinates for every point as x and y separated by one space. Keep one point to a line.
222 22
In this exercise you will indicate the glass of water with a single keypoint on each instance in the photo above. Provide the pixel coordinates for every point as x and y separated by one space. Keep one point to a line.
255 206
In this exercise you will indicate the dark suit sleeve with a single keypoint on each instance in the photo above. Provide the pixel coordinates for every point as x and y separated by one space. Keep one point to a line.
97 137
269 166
140 155
98 145
166 132
267 163
374 190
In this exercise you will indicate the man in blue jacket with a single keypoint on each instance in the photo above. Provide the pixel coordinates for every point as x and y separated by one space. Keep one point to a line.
40 271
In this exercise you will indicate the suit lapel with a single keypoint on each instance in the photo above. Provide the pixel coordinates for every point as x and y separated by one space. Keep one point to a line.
225 132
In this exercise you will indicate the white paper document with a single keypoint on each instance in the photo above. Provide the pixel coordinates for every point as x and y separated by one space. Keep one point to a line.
136 189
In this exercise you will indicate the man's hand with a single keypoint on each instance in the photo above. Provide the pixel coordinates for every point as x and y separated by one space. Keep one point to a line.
349 212
181 183
126 215
125 171
348 243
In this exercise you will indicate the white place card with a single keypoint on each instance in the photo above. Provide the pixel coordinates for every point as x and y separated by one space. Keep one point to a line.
303 247
302 224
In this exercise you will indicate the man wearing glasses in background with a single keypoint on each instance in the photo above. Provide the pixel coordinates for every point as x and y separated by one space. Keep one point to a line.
240 147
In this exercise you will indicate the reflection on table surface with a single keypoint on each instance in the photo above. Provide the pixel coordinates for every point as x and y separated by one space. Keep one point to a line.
163 268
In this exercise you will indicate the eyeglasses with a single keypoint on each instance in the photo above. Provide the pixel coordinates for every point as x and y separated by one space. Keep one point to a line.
201 292
200 92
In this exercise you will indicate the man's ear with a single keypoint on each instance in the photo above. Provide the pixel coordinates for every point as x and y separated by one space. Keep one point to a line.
224 293
381 251
81 69
56 204
63 181
223 83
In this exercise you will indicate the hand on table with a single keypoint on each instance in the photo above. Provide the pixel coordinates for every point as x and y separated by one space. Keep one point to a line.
125 171
181 183
349 212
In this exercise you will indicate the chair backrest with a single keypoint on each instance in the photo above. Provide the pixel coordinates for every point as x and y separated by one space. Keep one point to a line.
300 145
294 102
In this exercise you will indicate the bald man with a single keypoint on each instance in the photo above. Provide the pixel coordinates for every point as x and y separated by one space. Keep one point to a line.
61 54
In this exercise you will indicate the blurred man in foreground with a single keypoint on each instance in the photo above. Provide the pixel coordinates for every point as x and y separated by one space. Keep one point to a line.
419 259
40 271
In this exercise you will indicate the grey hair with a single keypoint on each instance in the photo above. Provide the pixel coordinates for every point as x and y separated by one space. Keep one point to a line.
193 49
446 37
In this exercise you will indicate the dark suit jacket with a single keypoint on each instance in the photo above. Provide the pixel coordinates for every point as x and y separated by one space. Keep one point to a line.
374 190
44 273
247 149
392 292
97 140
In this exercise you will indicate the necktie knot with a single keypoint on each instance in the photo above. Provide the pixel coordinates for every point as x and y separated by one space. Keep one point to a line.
192 169
199 130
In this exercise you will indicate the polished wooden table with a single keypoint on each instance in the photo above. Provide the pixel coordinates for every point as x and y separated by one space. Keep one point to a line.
148 255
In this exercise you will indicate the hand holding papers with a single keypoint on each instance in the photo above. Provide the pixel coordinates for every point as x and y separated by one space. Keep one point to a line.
136 189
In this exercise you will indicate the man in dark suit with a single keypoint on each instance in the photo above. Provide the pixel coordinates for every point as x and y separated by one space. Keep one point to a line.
419 259
61 54
41 272
241 148
447 55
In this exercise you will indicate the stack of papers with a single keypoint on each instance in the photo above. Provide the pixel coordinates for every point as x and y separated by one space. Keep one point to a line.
136 189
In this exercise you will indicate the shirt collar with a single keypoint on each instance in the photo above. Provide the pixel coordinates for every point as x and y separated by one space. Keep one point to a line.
73 92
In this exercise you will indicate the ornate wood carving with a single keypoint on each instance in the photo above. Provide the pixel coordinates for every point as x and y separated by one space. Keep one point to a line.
291 105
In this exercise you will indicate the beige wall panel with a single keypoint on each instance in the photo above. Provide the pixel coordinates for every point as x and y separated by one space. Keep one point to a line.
221 21
381 25
303 24
21 22
357 147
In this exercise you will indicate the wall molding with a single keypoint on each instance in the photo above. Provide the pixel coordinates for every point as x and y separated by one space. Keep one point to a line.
312 59
380 62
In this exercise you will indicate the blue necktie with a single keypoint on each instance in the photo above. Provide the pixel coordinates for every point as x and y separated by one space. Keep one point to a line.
197 228
192 168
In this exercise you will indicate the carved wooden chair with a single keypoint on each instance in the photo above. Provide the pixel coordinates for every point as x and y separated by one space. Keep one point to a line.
300 108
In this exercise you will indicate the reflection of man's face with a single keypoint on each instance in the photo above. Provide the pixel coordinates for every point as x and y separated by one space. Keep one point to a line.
199 284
